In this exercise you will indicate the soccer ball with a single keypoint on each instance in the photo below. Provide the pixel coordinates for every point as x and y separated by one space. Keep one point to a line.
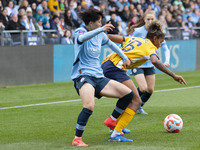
173 123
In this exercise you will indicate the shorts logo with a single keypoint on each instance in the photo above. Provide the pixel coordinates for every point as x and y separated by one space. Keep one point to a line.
82 79
134 70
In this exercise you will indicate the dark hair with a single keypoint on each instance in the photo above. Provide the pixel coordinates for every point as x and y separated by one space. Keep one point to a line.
54 17
90 14
155 29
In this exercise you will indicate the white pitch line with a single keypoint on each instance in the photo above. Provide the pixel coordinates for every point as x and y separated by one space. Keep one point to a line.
68 101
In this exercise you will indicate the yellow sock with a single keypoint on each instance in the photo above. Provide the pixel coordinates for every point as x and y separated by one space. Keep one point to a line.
124 119
119 117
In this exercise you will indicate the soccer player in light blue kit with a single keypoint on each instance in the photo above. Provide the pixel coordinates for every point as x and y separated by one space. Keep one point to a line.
87 73
145 74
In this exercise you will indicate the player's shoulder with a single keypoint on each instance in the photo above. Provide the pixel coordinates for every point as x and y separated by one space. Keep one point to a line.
80 30
139 29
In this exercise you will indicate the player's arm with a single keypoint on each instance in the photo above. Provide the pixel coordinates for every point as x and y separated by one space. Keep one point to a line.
115 48
116 38
166 52
158 64
88 35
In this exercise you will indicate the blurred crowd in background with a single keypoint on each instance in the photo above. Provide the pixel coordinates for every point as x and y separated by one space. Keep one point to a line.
62 16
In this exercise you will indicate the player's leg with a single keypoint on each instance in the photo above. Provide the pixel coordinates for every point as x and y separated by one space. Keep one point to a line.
142 87
150 79
116 89
129 112
86 92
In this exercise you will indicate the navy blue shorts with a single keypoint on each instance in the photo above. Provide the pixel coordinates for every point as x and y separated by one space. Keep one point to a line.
97 83
112 72
145 71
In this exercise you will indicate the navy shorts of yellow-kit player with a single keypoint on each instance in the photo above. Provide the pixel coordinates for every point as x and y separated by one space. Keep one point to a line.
145 71
97 83
112 72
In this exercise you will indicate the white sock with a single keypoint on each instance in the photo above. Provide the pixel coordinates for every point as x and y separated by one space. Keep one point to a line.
113 118
77 137
115 133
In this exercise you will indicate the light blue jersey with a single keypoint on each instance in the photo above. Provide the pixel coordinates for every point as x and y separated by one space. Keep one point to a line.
142 32
87 52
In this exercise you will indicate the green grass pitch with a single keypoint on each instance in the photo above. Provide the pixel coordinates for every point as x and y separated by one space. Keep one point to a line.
51 125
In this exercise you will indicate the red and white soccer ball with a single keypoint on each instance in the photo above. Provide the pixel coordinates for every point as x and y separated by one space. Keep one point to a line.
173 123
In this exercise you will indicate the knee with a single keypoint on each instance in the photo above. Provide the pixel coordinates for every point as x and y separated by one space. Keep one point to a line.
136 101
89 106
143 89
150 90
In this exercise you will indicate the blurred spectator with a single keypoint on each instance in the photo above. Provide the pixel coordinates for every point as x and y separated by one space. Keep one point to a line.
120 4
29 13
141 13
180 22
186 4
112 7
53 22
41 34
56 13
21 13
163 22
189 23
195 16
53 5
131 7
10 8
46 18
186 14
114 23
66 39
189 27
75 4
97 2
38 2
125 14
157 8
7 40
171 22
24 4
132 21
34 9
15 25
28 24
151 3
54 26
179 3
180 10
135 13
69 21
1 6
62 5
74 13
4 18
39 13
84 5
61 25
198 24
142 3
44 5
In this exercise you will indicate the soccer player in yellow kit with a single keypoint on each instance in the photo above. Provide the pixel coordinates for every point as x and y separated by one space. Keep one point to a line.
138 50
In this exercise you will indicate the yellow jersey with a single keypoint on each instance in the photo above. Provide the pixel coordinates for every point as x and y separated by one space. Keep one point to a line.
138 50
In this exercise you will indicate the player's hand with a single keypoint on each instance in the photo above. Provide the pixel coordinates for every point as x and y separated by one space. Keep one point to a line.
108 27
179 79
127 64
166 65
